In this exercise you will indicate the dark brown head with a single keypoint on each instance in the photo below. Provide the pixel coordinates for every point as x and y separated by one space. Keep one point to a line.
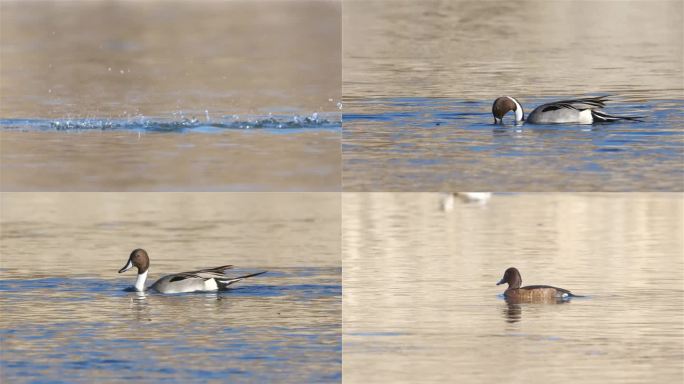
512 277
139 259
503 105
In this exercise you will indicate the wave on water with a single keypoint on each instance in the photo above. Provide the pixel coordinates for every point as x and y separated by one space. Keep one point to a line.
147 124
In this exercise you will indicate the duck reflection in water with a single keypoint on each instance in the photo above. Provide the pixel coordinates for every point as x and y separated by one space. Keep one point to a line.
512 312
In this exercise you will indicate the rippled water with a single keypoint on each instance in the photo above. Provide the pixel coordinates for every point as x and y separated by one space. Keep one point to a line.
151 59
152 154
420 77
421 305
67 316
81 329
131 160
412 144
74 105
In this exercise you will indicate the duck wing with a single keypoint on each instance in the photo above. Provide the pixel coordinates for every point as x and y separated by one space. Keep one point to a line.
546 286
208 273
576 104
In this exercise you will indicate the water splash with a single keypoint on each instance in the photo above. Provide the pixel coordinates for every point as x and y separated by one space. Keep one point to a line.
178 123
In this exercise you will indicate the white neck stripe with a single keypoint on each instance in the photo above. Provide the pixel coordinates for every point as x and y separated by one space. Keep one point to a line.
140 282
518 110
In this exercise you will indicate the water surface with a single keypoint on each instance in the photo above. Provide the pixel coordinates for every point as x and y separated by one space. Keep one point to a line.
226 68
420 77
442 144
131 160
151 59
67 316
421 305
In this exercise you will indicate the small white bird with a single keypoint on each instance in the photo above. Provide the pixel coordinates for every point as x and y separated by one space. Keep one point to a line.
447 201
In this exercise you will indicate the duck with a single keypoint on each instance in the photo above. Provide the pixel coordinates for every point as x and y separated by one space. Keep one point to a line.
574 111
531 293
203 280
447 201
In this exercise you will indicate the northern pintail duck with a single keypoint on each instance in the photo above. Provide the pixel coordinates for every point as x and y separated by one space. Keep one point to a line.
574 111
531 293
210 279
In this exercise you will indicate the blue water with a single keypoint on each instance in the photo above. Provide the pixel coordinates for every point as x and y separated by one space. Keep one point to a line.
283 326
180 123
445 144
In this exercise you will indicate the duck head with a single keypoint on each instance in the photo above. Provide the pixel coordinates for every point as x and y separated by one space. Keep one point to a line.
512 277
504 104
139 259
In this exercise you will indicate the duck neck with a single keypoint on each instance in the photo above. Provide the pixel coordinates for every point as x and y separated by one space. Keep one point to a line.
519 113
140 281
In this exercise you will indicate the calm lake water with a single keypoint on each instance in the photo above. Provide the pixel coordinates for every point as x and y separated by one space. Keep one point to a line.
66 316
420 78
420 302
226 68
200 157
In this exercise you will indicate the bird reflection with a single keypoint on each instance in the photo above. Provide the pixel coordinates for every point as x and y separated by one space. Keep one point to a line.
512 312
139 306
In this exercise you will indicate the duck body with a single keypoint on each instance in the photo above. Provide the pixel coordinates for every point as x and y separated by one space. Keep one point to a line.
203 280
531 293
548 114
537 294
573 111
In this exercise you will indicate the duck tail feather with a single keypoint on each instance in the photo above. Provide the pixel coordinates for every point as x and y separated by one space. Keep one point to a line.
601 116
224 283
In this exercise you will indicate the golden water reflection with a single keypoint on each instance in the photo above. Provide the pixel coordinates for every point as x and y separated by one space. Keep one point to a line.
65 312
420 301
483 49
128 161
109 59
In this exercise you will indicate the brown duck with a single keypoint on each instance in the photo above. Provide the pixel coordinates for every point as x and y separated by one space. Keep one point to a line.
531 293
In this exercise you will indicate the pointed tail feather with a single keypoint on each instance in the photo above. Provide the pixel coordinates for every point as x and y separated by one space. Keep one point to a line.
224 283
600 116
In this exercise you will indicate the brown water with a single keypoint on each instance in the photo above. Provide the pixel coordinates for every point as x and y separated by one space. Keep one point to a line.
110 59
420 302
122 62
476 50
65 314
128 161
420 77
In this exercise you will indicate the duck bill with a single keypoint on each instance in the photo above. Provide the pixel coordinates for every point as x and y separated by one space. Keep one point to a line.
501 282
126 267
